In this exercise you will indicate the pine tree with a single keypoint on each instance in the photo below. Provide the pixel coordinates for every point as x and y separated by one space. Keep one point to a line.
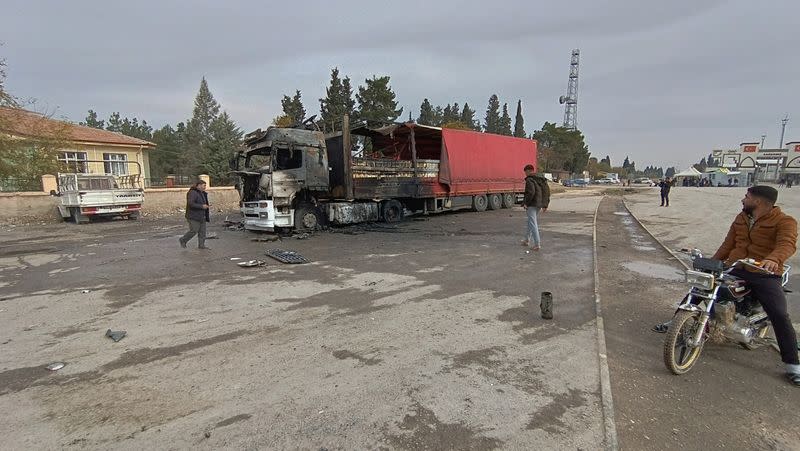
468 118
426 114
206 109
438 116
455 113
114 123
505 122
224 138
376 102
447 115
491 122
167 152
338 101
92 121
626 163
519 122
293 107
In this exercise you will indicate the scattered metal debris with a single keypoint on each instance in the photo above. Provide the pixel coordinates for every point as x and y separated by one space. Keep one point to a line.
212 236
283 256
235 258
302 236
55 366
86 291
252 263
266 238
116 335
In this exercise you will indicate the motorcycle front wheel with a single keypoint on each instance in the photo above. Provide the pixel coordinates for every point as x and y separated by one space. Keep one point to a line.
679 357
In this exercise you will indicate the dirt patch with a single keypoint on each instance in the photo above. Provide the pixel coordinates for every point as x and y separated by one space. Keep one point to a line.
232 420
344 354
67 331
427 432
549 417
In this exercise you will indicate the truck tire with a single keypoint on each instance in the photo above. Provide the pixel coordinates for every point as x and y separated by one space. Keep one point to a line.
306 218
479 202
495 202
391 211
508 200
75 215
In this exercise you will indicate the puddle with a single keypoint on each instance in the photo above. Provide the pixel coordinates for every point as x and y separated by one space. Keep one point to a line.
644 248
622 213
655 270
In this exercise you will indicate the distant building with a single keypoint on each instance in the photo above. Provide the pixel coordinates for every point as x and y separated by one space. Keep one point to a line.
763 165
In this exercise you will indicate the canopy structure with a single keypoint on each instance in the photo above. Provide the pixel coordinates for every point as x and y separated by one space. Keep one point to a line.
689 172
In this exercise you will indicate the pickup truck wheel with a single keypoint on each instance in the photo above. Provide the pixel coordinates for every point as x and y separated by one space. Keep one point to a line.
508 200
306 218
495 202
133 216
74 215
391 211
479 202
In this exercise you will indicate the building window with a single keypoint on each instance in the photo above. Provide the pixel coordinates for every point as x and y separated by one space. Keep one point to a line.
74 161
116 163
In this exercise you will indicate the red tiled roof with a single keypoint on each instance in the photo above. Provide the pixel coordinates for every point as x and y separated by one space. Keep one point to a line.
17 121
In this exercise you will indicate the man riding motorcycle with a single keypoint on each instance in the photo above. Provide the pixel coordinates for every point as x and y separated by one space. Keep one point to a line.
764 233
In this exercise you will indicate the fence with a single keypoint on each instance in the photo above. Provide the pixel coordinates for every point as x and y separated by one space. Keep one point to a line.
170 181
12 184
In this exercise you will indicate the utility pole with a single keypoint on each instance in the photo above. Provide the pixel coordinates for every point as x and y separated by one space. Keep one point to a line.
783 129
763 137
570 101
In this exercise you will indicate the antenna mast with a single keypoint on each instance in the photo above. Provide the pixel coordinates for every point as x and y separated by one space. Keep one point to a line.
570 101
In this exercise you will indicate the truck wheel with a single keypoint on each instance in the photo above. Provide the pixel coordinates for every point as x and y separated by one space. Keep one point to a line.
508 200
392 211
74 215
133 216
479 202
306 218
495 202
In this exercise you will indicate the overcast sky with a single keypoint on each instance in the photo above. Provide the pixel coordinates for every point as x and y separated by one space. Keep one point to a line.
663 82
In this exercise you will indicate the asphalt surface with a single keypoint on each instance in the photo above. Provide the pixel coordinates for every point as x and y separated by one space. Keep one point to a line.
731 399
424 335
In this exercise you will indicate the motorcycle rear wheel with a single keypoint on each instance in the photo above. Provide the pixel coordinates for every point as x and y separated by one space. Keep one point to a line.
679 357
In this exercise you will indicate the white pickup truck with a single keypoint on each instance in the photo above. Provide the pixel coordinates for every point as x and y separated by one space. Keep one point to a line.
84 196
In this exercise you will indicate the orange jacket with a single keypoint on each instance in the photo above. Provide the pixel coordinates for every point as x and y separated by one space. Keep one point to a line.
773 237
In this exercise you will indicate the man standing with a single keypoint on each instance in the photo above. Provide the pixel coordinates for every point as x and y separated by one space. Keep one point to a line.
537 198
665 186
763 232
197 215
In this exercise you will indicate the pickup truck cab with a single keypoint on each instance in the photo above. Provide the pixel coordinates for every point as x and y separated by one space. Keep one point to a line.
84 196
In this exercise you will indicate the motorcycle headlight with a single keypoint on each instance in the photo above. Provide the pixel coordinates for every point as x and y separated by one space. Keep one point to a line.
699 279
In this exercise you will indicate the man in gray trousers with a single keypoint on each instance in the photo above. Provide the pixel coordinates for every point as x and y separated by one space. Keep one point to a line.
196 214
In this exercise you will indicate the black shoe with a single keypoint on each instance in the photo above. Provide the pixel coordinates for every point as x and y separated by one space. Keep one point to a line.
183 244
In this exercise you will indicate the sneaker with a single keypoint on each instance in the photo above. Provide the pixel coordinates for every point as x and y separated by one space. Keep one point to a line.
183 244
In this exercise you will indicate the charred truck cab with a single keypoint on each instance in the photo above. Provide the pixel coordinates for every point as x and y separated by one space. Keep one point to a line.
282 172
295 178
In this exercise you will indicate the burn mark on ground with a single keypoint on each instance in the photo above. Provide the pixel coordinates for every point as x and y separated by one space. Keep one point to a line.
148 355
425 431
493 363
344 354
231 420
67 331
18 379
549 418
348 302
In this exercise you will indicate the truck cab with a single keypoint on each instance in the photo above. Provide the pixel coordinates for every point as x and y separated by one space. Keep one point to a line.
282 172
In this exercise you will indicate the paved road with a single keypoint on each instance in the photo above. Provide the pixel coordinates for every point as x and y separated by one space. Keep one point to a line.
421 336
732 399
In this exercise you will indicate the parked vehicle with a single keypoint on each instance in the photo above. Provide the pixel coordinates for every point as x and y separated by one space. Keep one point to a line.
575 182
644 181
295 178
84 196
717 304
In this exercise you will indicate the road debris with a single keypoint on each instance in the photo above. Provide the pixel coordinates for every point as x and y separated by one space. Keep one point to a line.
212 236
266 238
86 291
302 236
116 335
283 256
235 258
55 366
252 263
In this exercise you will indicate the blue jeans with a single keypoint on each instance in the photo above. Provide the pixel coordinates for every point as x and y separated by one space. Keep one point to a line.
533 226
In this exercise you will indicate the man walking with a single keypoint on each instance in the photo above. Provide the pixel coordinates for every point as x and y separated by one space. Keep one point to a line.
196 214
763 232
537 199
665 186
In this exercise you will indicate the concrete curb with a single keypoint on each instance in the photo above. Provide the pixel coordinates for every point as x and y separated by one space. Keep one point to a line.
609 427
674 255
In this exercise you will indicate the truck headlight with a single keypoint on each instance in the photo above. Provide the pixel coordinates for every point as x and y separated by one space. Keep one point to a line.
263 205
699 279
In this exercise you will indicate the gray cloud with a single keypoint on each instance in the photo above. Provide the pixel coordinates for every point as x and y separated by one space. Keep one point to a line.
662 82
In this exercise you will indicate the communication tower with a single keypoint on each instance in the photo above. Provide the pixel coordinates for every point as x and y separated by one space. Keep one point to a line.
570 101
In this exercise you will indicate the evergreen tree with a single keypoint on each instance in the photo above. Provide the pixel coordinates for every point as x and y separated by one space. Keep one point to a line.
426 114
519 122
563 149
491 122
6 99
455 113
114 123
505 122
224 139
167 152
293 107
206 109
376 102
670 172
468 118
92 121
447 115
606 160
438 116
338 101
626 163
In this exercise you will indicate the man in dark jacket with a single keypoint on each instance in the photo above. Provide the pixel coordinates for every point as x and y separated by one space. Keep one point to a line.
196 214
537 199
665 186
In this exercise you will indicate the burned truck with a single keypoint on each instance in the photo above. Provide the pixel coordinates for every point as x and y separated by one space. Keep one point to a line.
295 178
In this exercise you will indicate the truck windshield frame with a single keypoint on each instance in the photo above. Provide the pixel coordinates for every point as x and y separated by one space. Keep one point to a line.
287 158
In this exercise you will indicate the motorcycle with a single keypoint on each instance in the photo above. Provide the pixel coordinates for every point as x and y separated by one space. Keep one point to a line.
718 305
